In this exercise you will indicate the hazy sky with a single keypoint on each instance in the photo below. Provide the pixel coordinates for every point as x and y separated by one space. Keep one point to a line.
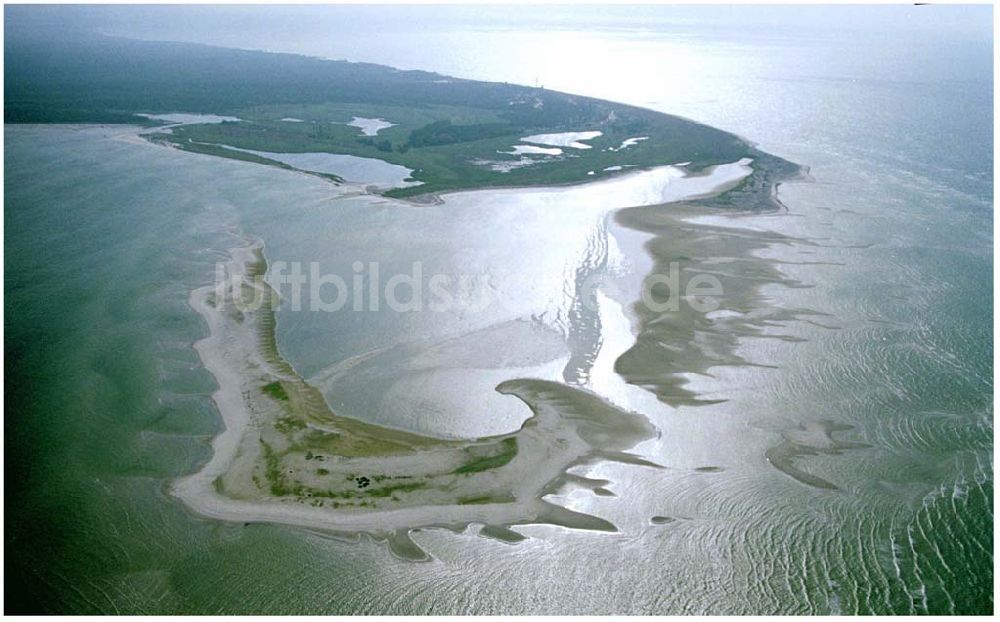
300 28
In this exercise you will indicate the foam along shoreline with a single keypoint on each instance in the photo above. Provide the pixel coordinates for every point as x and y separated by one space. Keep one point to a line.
284 457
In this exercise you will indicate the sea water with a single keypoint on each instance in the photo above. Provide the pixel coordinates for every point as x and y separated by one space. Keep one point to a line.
106 401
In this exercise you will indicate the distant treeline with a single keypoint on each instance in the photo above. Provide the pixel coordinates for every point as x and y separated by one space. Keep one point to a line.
68 76
444 133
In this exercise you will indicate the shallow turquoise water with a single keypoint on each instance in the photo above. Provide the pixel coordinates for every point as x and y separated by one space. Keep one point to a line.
106 402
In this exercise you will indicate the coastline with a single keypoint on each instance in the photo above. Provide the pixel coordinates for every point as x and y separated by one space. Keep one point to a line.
766 171
824 428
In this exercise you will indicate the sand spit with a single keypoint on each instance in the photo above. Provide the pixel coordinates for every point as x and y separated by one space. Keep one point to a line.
284 457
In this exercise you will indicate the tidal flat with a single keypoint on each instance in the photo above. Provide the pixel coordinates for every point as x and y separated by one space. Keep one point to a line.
286 456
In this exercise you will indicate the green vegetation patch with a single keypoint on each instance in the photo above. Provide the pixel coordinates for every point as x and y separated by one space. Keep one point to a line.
275 390
273 471
287 425
443 132
485 499
508 449
386 491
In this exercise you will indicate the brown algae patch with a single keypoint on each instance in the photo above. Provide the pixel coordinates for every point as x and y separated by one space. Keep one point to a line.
286 457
